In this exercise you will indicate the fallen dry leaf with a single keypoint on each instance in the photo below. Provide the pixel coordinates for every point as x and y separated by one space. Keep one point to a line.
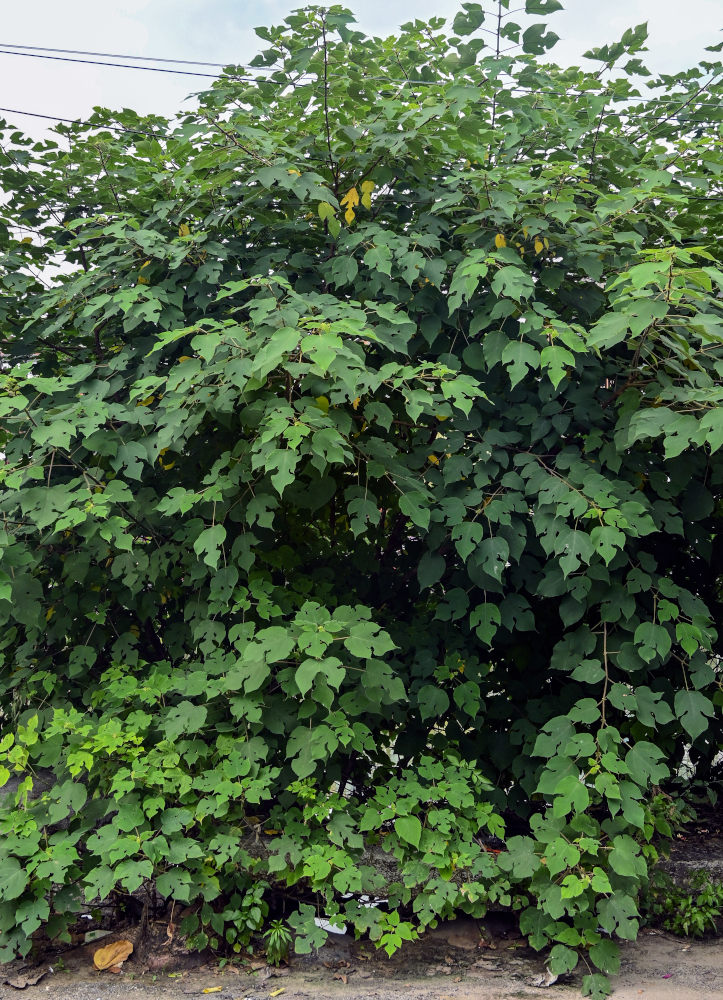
343 976
25 979
277 993
546 979
112 955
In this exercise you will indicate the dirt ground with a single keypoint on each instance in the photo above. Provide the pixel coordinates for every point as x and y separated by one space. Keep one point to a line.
459 960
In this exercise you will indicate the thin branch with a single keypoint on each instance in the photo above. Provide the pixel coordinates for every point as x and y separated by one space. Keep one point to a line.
334 168
603 703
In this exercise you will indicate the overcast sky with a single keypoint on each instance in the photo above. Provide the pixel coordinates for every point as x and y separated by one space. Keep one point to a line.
222 31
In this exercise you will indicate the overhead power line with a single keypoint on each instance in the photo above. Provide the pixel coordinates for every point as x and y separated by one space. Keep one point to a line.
77 121
34 52
115 55
95 62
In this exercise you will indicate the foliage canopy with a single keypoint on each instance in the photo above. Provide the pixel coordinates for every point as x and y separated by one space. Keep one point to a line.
362 487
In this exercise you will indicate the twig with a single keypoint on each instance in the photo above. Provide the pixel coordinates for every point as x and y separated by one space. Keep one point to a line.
334 168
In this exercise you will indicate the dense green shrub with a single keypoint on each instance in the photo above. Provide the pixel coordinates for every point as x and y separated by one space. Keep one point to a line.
691 910
361 489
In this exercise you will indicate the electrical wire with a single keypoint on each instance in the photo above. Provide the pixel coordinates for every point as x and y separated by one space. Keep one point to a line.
115 55
76 121
33 53
94 62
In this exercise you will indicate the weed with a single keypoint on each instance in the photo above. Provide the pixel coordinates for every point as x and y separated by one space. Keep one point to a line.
689 912
278 940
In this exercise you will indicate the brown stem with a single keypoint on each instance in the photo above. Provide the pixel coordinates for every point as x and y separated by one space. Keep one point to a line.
110 182
603 703
334 169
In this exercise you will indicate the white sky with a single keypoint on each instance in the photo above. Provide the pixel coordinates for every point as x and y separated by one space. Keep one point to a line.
222 31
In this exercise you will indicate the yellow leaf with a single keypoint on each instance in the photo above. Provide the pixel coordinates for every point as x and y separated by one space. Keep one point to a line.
433 459
146 402
184 229
184 357
500 241
277 993
112 955
49 613
367 188
145 264
272 833
135 630
539 245
26 239
163 451
349 215
142 280
212 989
547 243
351 198
524 232
355 403
294 172
323 403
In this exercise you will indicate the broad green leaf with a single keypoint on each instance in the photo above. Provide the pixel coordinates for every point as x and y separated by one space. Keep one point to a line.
535 40
619 915
13 879
484 619
431 569
519 357
209 544
693 709
408 829
625 857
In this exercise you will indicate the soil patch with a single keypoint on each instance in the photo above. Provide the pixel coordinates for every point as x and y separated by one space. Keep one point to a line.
460 960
